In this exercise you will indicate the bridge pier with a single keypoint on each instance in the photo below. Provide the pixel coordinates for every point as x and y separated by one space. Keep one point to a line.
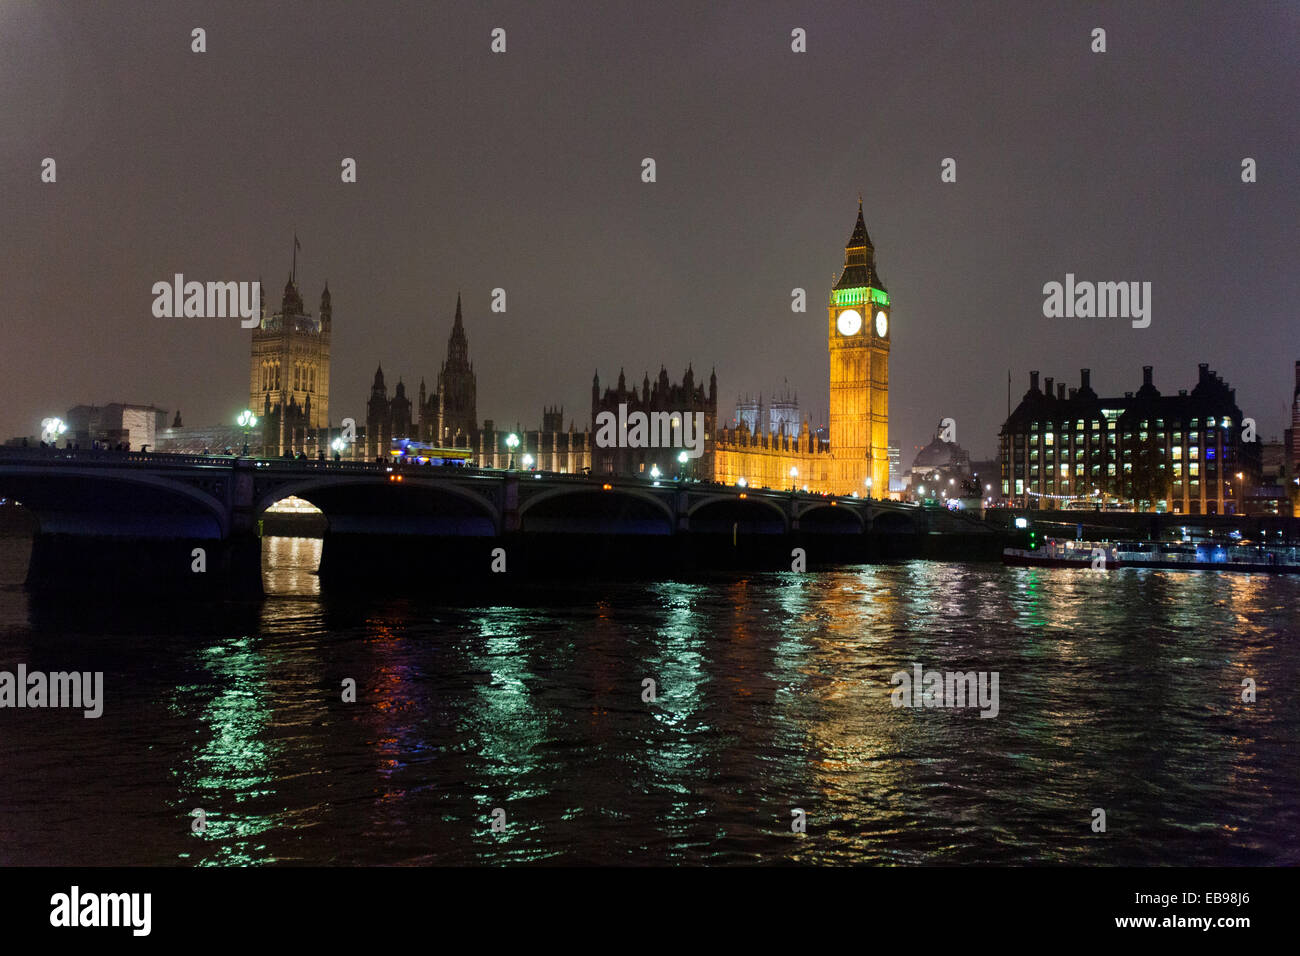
241 565
109 566
411 561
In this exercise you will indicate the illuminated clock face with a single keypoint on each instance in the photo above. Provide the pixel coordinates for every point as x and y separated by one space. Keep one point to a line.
849 322
882 323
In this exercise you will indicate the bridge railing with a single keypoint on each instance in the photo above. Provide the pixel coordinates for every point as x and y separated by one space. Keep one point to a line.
108 457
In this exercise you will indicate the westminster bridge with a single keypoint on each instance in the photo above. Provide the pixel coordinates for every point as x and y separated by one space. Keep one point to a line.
107 520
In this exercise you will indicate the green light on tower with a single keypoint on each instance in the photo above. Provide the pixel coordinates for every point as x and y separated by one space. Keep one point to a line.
861 295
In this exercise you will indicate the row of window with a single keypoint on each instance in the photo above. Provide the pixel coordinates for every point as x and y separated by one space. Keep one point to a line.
1176 452
1049 438
1211 421
304 377
1193 485
1178 467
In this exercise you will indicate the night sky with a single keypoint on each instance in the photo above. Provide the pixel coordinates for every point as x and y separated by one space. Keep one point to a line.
522 171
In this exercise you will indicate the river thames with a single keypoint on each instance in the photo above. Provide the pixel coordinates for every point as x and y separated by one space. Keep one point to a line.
225 738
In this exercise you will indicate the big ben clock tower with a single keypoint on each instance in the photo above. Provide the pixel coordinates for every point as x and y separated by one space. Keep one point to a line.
858 336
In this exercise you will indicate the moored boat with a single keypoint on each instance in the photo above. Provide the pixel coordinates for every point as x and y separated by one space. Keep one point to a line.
1167 555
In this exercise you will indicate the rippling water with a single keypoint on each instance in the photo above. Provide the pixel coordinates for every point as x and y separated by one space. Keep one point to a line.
1119 691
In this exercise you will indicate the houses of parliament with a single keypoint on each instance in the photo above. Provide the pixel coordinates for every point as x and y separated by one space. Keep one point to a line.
290 392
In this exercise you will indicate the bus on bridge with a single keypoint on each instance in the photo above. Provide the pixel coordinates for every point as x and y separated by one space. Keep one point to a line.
411 451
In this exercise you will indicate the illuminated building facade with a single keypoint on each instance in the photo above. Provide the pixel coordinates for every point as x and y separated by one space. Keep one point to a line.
289 374
1181 453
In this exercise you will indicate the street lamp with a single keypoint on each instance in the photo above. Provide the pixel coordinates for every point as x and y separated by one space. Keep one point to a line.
868 487
528 461
51 429
246 420
338 445
512 442
654 471
742 483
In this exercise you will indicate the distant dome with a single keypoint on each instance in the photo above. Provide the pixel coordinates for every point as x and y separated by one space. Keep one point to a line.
940 454
936 454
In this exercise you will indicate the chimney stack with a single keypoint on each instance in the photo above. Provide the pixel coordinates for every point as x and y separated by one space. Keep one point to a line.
1146 374
1060 390
1033 378
1049 386
1085 379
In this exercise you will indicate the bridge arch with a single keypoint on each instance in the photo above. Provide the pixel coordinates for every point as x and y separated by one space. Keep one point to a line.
721 514
98 501
584 508
893 522
822 517
375 504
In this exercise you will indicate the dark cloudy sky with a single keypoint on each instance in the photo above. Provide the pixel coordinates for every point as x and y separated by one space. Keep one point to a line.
522 171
